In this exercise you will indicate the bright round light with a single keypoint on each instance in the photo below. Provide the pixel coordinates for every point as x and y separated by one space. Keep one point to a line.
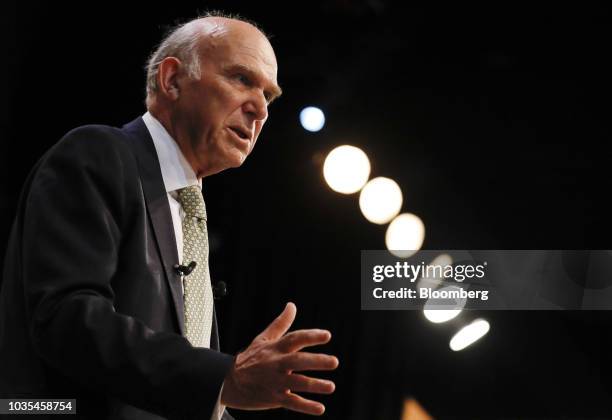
441 261
450 310
346 169
312 118
438 316
469 334
405 235
380 200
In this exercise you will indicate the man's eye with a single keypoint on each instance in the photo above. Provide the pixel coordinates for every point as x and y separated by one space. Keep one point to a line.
244 79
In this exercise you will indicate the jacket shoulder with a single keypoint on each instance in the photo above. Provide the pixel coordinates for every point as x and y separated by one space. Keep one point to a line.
94 137
91 146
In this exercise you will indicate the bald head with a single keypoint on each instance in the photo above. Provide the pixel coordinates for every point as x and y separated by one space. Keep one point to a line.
195 40
212 27
215 32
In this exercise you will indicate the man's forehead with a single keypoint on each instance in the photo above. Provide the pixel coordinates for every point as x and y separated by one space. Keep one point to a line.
254 58
237 43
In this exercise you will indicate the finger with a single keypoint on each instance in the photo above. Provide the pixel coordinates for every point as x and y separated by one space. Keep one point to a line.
280 325
308 361
302 405
303 383
297 340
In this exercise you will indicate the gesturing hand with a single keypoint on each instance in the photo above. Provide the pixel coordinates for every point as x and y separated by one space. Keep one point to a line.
263 376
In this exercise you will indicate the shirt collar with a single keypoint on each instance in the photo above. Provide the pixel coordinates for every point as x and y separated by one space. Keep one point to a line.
176 172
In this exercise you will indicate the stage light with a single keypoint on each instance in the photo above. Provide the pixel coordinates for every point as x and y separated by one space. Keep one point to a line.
438 316
380 200
346 169
469 334
442 261
312 118
442 315
405 235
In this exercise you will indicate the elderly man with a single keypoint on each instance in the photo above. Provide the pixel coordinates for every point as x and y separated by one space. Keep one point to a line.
106 295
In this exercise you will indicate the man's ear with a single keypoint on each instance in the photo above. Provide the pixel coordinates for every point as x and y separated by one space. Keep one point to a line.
168 74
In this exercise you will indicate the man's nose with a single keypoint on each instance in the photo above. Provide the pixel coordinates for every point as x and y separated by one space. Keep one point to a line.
257 107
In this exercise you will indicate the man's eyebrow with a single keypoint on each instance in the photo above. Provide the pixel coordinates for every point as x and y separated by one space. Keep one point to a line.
275 90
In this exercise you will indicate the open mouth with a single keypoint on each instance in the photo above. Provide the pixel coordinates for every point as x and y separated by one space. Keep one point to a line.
240 133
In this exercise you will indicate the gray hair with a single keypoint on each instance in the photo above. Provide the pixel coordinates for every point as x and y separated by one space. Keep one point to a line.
182 42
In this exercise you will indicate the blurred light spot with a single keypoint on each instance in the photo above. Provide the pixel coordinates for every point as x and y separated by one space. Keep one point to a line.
380 200
441 261
405 235
438 310
438 316
469 334
312 118
346 169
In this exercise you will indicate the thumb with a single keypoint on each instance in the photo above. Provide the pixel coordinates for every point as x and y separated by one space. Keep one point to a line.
280 325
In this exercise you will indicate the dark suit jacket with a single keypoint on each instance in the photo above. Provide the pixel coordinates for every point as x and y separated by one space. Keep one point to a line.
90 306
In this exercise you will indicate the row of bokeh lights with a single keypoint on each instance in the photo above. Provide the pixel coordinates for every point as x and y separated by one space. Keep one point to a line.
347 171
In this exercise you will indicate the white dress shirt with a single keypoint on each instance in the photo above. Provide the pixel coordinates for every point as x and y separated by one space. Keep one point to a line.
177 173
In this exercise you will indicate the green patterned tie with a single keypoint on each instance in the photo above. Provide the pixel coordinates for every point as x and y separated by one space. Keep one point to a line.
198 296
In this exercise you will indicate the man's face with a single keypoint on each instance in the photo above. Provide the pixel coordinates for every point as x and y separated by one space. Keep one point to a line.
219 117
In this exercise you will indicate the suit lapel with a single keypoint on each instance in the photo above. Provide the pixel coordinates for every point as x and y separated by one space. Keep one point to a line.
214 335
158 208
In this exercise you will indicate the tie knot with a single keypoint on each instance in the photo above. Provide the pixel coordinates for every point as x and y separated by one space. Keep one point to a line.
192 201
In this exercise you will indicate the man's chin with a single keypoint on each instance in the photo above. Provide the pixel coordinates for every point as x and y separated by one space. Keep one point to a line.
231 159
236 160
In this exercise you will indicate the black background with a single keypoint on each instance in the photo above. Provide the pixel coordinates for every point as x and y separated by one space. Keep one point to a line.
493 120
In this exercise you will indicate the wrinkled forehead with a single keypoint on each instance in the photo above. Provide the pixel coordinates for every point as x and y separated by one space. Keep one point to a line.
239 43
